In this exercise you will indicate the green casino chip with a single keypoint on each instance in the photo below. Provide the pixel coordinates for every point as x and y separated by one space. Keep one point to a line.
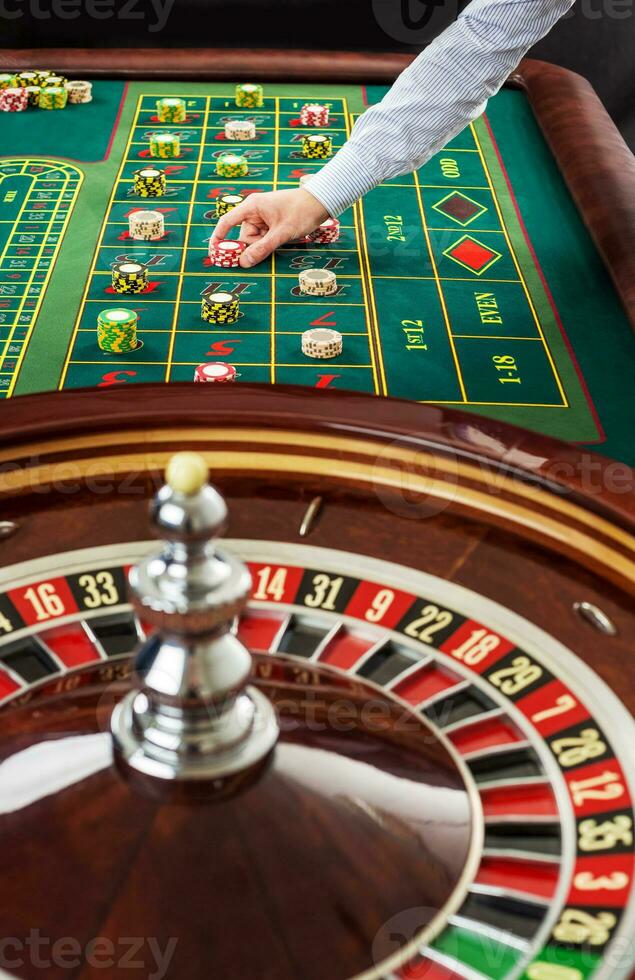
232 165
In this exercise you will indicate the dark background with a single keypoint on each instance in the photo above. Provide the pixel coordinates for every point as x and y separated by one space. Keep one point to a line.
597 40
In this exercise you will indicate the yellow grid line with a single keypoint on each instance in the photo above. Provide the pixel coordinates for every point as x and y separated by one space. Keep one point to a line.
243 302
272 321
224 328
479 336
186 239
102 232
365 367
370 312
438 401
444 308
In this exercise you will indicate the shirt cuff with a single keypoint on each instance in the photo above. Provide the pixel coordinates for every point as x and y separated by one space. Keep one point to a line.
342 181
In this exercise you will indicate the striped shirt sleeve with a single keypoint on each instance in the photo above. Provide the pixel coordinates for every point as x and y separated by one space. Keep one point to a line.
445 88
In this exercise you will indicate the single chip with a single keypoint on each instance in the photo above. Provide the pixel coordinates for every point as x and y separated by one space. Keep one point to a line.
322 343
318 282
215 371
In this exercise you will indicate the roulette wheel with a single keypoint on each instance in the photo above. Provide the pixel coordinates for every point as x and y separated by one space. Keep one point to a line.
382 729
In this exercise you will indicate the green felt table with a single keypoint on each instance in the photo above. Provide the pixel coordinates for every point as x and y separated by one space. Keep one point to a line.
471 283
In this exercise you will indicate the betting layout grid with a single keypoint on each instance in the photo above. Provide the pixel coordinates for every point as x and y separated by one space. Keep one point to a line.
465 264
266 344
36 201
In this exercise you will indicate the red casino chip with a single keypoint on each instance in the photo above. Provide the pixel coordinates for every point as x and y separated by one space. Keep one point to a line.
226 254
215 371
328 231
314 114
14 100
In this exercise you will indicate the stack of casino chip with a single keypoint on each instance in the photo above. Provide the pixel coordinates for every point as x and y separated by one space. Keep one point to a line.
165 146
317 146
42 75
313 114
33 94
79 93
117 330
249 96
7 81
215 371
318 282
146 226
149 182
25 79
227 202
240 129
226 254
171 110
13 99
321 343
129 277
52 97
232 165
47 80
220 307
327 232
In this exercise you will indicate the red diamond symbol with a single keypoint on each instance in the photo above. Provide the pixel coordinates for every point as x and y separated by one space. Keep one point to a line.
472 254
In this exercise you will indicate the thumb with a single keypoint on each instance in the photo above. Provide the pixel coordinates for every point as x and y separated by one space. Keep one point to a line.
228 221
261 249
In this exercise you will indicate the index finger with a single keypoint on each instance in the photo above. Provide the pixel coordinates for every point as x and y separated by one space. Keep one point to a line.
228 221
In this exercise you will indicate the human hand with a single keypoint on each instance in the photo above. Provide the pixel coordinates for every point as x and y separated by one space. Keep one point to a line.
268 220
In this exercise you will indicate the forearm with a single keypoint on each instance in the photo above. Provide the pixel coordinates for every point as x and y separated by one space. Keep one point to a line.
443 90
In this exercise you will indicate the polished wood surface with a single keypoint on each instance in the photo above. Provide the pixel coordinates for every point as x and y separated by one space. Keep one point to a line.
212 63
45 420
77 469
595 162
